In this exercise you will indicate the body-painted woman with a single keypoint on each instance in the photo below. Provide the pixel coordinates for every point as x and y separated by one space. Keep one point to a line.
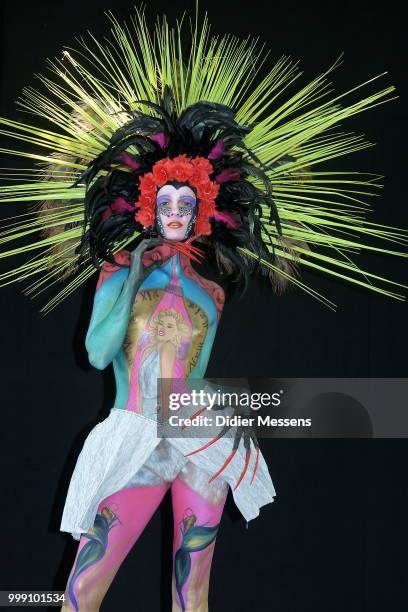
165 322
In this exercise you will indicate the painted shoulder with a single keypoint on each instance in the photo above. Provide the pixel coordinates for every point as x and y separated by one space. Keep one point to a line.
117 273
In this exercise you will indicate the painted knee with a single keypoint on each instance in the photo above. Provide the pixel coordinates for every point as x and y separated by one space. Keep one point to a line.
191 599
191 579
88 597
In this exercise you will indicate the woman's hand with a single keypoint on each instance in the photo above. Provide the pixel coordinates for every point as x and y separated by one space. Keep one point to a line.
138 271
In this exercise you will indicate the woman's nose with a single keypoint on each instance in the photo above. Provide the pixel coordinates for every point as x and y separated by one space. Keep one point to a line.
174 207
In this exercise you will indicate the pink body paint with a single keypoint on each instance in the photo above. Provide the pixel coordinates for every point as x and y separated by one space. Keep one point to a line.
187 504
133 507
172 300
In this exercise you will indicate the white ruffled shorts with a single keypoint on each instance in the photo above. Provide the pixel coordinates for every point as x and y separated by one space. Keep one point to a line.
124 451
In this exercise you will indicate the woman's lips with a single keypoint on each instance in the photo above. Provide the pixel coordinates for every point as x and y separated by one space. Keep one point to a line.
175 225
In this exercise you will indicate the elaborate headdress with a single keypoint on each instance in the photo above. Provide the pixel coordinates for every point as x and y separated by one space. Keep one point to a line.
141 112
202 147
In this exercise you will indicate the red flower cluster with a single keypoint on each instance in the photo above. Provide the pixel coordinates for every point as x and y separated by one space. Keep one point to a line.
192 171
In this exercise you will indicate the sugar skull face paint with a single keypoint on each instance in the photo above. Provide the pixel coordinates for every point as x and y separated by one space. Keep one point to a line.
176 210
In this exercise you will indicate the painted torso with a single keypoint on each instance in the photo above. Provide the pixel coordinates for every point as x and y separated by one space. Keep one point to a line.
188 302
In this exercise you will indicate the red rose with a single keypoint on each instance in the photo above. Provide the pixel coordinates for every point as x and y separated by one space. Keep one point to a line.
163 163
160 174
147 182
202 227
145 217
202 164
182 171
199 176
207 191
181 159
147 199
207 207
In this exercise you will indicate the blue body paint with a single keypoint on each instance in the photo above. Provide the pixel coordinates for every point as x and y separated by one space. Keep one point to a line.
111 316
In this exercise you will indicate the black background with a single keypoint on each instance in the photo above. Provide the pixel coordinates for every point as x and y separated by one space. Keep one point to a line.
334 539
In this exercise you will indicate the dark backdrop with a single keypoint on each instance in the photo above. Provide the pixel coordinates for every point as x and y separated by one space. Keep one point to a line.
334 537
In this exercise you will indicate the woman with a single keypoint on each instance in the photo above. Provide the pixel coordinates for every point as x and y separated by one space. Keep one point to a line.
152 324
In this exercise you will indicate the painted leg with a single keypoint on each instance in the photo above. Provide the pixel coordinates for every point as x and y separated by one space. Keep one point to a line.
119 522
196 523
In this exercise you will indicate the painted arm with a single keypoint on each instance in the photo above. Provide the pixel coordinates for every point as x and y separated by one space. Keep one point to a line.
112 309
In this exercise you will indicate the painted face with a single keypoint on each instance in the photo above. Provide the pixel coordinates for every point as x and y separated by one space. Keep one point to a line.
166 329
175 211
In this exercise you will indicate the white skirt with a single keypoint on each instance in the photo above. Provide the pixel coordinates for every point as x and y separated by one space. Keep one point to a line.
123 451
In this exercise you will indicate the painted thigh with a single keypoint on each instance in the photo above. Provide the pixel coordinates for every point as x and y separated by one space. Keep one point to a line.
119 522
196 523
